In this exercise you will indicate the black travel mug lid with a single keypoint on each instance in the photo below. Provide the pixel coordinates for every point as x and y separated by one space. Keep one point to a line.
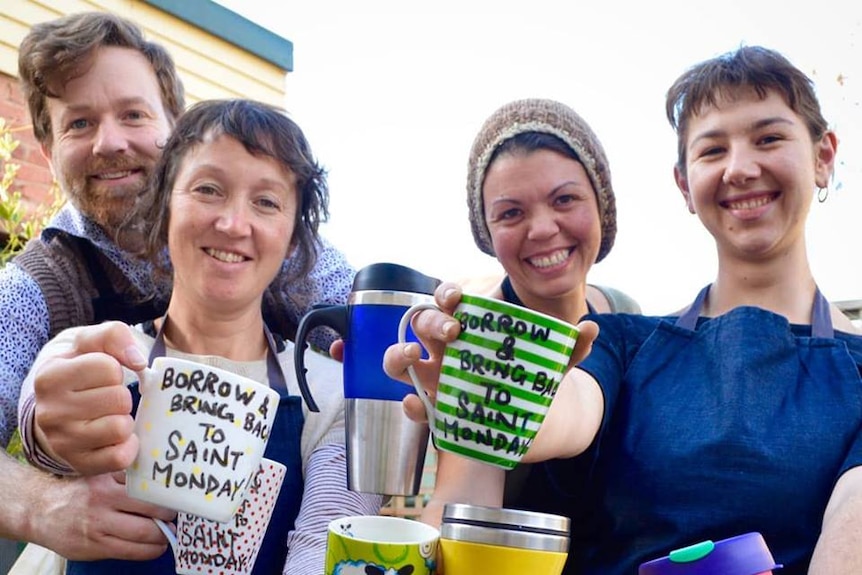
393 277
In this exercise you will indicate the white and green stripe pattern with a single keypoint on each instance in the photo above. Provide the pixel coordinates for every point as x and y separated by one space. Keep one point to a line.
498 379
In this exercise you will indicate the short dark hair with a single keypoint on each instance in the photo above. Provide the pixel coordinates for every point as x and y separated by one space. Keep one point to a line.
56 51
263 130
529 142
755 67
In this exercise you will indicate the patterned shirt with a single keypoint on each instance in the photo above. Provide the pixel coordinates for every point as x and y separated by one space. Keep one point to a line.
24 320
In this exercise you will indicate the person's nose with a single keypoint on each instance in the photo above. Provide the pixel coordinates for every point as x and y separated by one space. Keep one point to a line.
543 225
741 166
111 139
233 219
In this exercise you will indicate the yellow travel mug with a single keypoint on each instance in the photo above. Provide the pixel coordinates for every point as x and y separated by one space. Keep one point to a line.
477 540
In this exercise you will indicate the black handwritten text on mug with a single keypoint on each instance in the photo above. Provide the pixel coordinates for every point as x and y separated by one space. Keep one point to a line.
481 423
502 323
183 452
205 545
198 383
481 365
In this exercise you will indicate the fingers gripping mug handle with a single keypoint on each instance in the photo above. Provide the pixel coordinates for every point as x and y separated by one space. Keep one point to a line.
172 539
402 338
145 375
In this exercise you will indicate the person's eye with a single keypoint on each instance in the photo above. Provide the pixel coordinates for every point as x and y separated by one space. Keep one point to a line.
510 214
135 115
268 203
564 199
78 124
770 139
205 190
709 151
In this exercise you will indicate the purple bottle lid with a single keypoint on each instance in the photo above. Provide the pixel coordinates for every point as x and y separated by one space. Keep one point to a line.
741 555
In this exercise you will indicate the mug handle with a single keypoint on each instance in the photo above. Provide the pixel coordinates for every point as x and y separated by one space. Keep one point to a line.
145 375
402 338
171 537
321 315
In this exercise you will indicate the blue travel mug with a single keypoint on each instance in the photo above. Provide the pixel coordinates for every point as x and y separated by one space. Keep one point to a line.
385 448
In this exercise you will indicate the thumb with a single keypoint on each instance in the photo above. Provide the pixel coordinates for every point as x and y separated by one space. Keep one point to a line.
113 338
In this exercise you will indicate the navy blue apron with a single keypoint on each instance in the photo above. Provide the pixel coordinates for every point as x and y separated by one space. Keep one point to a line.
283 446
738 409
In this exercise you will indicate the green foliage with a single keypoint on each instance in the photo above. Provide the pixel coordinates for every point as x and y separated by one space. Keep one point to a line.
16 448
15 221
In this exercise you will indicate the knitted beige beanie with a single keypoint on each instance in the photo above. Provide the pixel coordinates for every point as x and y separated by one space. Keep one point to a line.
549 117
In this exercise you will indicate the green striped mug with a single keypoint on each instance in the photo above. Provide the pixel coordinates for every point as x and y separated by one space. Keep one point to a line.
497 379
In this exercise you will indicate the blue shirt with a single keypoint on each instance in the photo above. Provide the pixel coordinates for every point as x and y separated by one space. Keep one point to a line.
24 320
695 447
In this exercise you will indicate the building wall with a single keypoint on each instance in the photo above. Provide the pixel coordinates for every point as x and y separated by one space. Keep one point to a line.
209 66
34 179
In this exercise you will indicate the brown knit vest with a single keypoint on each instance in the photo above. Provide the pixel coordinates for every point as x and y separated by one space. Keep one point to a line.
81 286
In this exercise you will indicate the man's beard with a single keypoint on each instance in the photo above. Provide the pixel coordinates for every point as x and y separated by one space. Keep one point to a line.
107 205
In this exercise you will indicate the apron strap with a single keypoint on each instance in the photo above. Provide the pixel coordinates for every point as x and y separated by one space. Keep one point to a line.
688 319
821 317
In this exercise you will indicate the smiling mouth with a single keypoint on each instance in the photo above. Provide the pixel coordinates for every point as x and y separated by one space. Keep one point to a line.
223 256
550 260
113 175
749 203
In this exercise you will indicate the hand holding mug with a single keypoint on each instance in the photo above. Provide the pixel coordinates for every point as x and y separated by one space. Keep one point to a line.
92 518
497 379
435 328
82 414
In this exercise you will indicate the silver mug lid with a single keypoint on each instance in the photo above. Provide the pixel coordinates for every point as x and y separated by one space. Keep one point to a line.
388 297
514 519
505 527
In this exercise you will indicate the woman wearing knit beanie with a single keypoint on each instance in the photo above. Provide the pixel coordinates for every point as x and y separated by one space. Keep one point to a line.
742 412
540 201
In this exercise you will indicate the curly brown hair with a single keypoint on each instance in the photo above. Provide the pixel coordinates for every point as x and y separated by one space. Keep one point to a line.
59 50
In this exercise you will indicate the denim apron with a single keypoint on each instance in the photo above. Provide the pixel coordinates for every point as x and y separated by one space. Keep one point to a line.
719 428
283 446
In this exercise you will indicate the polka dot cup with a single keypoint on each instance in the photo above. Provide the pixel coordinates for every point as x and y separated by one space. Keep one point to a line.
230 548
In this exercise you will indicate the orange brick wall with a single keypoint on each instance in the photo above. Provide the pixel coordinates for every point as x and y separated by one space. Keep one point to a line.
34 178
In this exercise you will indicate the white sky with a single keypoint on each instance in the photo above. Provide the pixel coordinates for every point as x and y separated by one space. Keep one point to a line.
391 93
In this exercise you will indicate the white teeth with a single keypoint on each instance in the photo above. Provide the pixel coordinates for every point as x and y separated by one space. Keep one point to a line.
749 204
114 175
223 256
551 260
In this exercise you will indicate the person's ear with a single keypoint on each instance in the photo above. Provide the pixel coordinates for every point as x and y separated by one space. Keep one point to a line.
824 159
45 150
682 184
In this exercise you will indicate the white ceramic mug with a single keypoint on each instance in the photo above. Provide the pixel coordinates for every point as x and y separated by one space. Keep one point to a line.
230 548
202 433
497 379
